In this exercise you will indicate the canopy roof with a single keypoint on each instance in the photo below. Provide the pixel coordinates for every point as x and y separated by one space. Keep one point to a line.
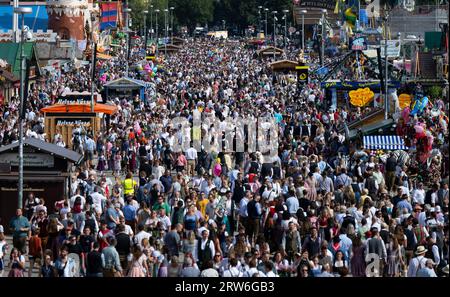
80 108
384 142
269 51
125 83
177 40
10 52
170 47
46 147
283 65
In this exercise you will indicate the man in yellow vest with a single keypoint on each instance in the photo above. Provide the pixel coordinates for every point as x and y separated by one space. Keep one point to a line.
129 185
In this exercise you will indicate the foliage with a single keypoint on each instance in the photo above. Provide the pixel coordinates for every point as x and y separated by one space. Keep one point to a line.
435 92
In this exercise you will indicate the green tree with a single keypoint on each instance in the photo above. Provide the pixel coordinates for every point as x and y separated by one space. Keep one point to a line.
193 12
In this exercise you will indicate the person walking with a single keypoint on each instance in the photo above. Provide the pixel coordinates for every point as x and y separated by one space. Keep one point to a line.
418 262
112 266
20 226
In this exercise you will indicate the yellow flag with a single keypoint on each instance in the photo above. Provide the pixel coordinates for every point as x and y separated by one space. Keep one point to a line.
336 8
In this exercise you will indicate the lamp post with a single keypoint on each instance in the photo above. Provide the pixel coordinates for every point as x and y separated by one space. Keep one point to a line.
156 31
145 29
22 11
265 29
94 48
285 27
171 26
127 29
322 48
165 29
223 24
303 12
386 71
151 22
274 32
259 19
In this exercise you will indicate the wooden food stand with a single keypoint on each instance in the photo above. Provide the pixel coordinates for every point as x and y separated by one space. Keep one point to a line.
69 114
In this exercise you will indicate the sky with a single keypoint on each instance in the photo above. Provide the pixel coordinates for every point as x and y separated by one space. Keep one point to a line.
37 20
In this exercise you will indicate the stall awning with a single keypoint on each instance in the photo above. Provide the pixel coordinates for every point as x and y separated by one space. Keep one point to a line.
283 65
102 56
384 142
80 108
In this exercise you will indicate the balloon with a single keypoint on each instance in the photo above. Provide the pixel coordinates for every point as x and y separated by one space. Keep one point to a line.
405 114
147 67
155 69
152 74
350 17
419 105
419 129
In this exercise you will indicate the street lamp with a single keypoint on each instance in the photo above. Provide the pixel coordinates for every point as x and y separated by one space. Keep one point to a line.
274 31
303 12
22 11
171 26
165 29
259 19
145 29
285 27
127 29
223 24
156 32
94 48
151 22
386 74
265 29
324 12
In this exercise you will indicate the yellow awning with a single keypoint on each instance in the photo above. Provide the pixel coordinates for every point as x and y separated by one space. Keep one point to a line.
103 56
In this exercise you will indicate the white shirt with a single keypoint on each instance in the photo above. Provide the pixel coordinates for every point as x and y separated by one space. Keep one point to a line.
141 235
165 221
418 196
233 272
252 271
202 246
191 153
422 218
128 230
271 274
97 199
415 264
243 207
210 272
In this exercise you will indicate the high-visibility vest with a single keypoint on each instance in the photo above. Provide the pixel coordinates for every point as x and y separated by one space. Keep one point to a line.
128 186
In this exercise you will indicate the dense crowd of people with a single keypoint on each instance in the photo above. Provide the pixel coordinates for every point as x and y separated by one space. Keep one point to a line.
322 207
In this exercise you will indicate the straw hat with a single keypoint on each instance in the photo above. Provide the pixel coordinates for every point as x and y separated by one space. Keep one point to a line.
421 250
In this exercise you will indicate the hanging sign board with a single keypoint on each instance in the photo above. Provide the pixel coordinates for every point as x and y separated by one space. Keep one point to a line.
302 73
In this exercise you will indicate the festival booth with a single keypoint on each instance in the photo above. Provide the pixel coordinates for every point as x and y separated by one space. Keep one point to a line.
177 41
47 169
72 111
269 51
169 48
384 142
283 65
125 88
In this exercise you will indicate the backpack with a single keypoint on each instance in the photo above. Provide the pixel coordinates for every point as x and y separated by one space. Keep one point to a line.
420 235
77 205
254 167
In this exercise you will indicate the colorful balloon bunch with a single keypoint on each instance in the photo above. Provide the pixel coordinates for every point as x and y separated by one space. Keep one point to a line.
419 105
